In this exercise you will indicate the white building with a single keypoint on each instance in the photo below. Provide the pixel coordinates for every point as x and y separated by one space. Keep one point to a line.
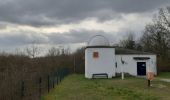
101 59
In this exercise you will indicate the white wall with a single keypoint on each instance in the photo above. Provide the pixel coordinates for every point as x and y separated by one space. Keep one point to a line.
131 65
104 64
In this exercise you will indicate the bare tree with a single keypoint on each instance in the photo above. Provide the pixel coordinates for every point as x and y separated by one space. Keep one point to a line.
129 41
53 51
67 51
33 50
19 52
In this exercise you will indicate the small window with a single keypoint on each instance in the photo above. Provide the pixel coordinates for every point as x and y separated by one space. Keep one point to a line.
95 55
116 64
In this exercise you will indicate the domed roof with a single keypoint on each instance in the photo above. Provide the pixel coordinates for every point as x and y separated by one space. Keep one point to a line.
98 40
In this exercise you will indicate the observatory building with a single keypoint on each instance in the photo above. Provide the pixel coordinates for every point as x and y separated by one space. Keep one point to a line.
102 59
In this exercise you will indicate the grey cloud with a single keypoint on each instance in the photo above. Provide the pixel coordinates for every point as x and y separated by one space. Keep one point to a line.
71 37
20 39
82 36
50 12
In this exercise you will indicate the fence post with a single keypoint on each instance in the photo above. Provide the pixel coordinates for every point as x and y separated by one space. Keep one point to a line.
57 79
22 89
40 81
53 78
48 83
60 74
57 75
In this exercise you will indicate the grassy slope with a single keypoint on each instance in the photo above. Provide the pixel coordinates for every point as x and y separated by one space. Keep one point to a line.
76 87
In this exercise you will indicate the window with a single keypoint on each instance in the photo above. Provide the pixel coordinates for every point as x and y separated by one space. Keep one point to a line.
116 64
95 55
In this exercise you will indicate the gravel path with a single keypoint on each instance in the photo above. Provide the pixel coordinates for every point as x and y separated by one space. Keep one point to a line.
165 80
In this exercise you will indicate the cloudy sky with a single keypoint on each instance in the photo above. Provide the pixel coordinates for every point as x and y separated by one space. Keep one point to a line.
71 22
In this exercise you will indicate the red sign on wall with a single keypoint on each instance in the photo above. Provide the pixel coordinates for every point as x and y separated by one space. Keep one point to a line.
95 55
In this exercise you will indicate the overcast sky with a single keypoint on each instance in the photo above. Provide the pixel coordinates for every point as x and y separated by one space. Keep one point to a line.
66 22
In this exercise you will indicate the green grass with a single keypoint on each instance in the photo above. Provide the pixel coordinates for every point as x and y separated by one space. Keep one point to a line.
76 87
164 75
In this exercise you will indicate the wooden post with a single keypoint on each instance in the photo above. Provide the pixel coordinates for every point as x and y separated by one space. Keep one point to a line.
57 79
53 80
74 63
22 89
40 80
48 83
149 83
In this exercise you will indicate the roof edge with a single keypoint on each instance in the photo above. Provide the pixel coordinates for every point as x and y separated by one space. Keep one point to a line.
132 52
137 54
99 47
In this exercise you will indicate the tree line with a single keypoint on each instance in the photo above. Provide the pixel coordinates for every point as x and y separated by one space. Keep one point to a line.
155 38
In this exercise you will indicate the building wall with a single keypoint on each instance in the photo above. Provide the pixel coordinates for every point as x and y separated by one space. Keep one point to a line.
105 63
130 65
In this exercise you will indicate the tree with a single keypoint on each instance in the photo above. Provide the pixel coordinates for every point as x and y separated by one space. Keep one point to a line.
19 52
156 37
79 57
129 42
53 52
67 51
33 50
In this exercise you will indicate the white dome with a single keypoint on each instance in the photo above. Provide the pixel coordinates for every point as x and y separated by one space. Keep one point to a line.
99 40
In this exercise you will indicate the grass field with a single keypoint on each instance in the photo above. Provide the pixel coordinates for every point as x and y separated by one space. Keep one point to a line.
76 87
164 75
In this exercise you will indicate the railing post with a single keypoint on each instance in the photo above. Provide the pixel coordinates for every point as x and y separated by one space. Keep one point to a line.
40 81
22 88
60 74
48 83
53 78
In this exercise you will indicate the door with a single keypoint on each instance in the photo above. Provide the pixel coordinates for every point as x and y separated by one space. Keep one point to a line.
141 68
